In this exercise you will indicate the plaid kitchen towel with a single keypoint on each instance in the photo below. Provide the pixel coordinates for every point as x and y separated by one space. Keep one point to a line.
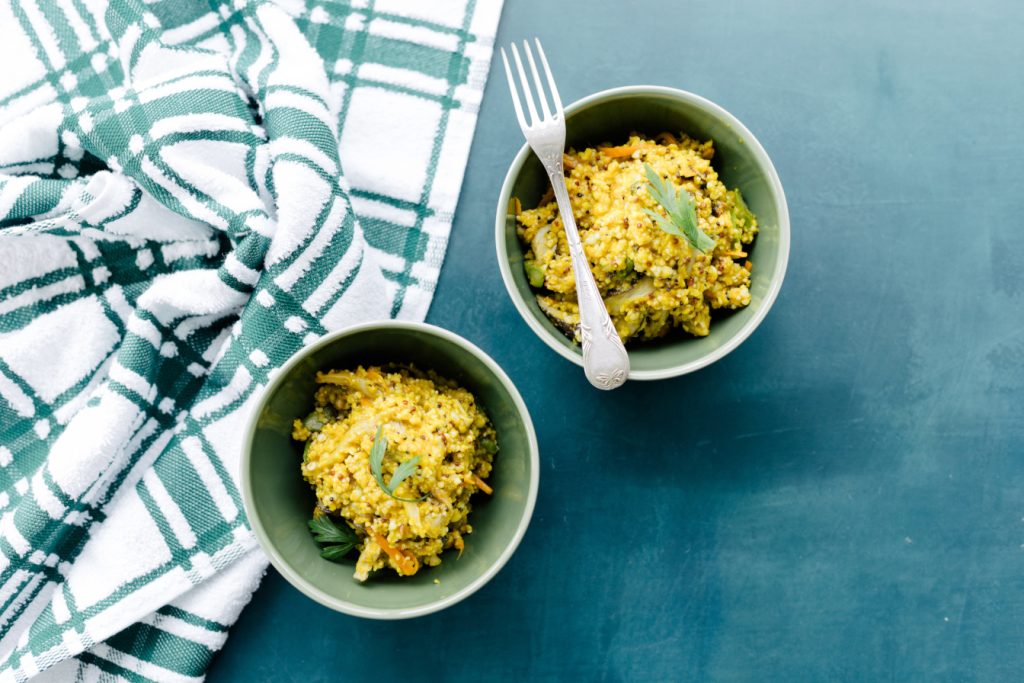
174 223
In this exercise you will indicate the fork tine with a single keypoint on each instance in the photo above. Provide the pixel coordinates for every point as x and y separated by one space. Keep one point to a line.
536 79
512 89
551 79
525 84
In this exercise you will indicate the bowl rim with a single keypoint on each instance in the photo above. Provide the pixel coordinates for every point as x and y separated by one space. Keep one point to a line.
294 577
776 186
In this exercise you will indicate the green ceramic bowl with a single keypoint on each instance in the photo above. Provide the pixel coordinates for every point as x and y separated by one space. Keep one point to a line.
610 116
279 502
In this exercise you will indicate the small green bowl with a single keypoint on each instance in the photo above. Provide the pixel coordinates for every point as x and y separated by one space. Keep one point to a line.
279 502
610 116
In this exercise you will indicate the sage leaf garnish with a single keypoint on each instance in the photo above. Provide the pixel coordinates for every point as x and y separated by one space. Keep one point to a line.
682 213
402 472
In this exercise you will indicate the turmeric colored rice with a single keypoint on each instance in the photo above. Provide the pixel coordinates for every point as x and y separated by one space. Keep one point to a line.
651 281
419 414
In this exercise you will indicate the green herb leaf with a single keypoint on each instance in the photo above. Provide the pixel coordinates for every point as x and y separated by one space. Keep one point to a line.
665 224
380 447
489 445
338 552
402 472
656 186
342 539
325 530
682 213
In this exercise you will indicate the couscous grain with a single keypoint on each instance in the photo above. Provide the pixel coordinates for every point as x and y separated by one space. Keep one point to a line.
419 414
651 281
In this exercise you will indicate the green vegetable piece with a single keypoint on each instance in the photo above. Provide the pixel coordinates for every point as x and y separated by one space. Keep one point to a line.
534 273
627 269
742 216
313 422
681 210
489 445
402 472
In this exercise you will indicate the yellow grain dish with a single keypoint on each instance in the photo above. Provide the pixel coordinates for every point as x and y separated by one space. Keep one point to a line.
420 414
651 280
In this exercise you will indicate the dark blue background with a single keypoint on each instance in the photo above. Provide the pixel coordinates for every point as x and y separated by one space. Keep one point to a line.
842 498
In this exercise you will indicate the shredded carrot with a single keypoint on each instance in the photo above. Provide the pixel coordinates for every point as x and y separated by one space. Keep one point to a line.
568 161
517 206
459 544
548 197
667 139
406 564
749 266
482 485
735 254
617 152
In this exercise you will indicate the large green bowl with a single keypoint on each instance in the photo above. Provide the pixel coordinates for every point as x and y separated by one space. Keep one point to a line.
279 502
609 117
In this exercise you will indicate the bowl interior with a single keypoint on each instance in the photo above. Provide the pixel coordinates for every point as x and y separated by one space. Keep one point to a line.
282 501
740 163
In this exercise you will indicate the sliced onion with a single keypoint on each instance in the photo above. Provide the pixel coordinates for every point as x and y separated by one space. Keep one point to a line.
642 289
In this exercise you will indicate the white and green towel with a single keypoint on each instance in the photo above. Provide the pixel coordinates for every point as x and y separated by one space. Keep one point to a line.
190 191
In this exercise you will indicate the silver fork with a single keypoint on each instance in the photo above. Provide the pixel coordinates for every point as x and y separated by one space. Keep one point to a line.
605 361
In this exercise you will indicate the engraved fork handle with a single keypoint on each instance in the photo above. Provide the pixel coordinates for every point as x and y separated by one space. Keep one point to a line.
605 361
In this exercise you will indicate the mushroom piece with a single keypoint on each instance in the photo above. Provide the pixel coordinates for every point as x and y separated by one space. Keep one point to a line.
561 319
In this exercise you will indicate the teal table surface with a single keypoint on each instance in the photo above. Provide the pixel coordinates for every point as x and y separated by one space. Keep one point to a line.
841 498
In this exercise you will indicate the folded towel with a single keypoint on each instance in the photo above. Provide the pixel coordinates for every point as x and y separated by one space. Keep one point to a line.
174 223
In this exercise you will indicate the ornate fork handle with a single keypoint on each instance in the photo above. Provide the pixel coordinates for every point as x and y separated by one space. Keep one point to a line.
605 361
